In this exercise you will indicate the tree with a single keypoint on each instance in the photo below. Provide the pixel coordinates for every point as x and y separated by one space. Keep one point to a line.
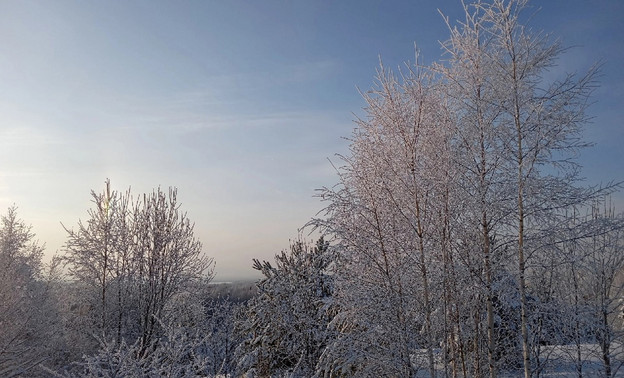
98 258
601 279
196 338
167 260
222 338
472 155
392 217
23 298
541 124
178 354
130 261
285 326
478 143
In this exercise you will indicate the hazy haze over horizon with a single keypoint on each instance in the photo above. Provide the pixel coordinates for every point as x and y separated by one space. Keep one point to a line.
238 104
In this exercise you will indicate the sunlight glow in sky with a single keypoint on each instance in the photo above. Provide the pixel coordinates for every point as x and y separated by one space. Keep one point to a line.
238 104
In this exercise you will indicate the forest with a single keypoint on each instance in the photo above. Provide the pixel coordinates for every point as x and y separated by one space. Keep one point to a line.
460 240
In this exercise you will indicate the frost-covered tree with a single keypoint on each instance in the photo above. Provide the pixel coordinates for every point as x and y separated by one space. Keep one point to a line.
391 217
27 314
98 258
460 175
129 261
518 134
196 339
478 147
178 353
600 277
540 122
167 259
222 314
285 325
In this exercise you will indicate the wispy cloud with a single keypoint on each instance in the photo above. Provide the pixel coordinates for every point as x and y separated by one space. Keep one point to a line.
27 136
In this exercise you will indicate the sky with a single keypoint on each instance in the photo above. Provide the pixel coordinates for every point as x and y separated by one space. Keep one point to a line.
241 105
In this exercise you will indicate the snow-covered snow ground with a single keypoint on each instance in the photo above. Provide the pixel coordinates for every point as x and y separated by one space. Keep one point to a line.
559 361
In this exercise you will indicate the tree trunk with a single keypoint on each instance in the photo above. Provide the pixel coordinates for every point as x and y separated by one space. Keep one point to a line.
526 354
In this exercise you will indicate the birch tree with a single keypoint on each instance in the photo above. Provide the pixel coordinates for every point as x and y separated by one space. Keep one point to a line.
97 254
167 259
543 122
389 217
133 258
525 131
478 144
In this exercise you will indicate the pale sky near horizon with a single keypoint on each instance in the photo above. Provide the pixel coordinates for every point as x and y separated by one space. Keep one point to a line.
238 104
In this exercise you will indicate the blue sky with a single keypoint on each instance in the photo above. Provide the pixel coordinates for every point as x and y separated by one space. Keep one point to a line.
236 103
